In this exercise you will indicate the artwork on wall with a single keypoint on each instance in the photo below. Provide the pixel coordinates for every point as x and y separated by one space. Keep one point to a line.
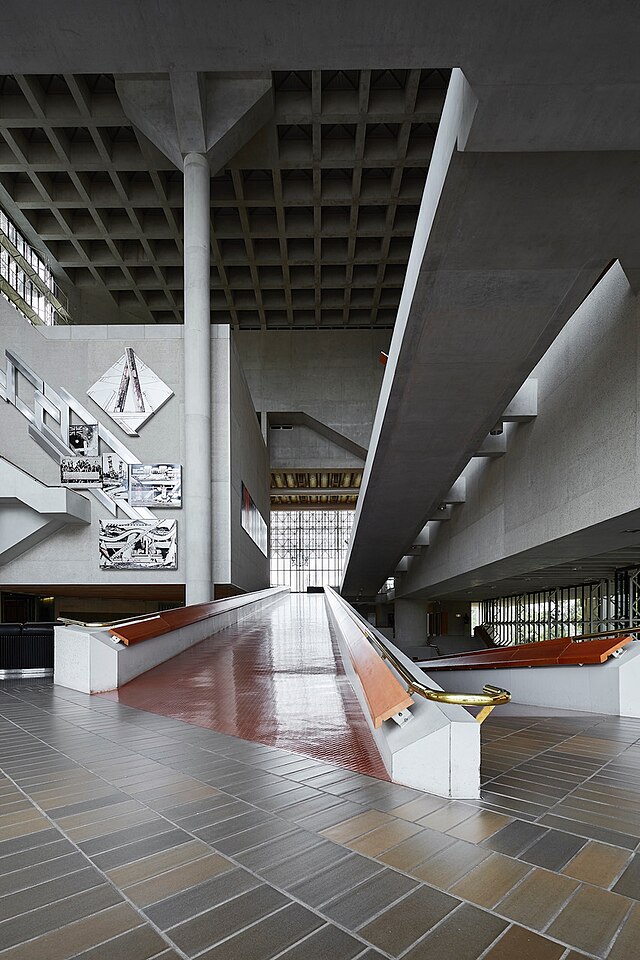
138 545
130 392
81 471
155 485
253 522
83 439
115 476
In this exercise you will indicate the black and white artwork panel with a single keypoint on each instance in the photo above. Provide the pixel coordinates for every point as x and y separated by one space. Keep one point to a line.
139 545
155 485
83 439
81 471
115 476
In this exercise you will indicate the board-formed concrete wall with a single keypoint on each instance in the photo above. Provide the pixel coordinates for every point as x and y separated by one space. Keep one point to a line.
576 465
332 375
73 358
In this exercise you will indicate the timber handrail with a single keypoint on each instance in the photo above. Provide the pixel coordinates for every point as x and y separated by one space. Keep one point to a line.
489 698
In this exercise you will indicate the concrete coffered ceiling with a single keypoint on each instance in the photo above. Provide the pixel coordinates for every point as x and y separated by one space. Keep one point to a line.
312 221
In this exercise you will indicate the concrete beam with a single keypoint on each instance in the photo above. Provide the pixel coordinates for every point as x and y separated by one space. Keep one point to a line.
524 406
186 112
507 246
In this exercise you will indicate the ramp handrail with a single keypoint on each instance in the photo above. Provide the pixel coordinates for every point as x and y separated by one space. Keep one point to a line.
489 698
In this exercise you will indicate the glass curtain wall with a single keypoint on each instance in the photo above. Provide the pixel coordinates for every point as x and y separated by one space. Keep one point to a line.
309 547
26 280
610 604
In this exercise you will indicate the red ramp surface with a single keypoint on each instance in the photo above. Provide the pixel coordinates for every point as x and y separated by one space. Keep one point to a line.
275 678
563 651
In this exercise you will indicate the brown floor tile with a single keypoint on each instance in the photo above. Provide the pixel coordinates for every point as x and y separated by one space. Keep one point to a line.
416 809
269 937
371 844
181 878
521 944
158 863
67 941
356 826
447 817
464 935
401 925
451 864
597 863
25 828
416 849
627 943
590 919
537 899
629 883
491 880
481 825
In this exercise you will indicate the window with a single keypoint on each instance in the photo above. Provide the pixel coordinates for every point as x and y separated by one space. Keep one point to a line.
309 547
26 280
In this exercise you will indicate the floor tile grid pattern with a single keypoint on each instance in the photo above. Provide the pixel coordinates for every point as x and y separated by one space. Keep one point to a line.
276 767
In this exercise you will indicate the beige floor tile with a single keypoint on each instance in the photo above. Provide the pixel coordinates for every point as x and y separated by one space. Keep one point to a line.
181 878
537 900
590 919
491 880
383 837
450 864
356 826
481 825
598 863
158 863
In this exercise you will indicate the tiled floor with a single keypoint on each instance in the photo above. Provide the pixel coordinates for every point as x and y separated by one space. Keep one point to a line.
277 679
126 834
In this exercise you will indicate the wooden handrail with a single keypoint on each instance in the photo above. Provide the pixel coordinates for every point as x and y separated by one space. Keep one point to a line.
490 697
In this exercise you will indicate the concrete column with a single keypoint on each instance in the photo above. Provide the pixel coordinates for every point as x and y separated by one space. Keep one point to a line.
410 620
197 541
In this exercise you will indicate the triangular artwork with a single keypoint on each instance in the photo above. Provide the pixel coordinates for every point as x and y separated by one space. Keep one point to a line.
130 392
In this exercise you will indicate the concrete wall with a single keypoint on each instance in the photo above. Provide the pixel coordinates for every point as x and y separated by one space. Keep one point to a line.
73 358
249 465
333 375
609 688
575 465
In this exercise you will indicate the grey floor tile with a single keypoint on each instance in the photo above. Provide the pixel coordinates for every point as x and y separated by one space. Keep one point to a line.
54 915
554 850
269 937
336 880
464 935
215 925
327 943
167 913
141 848
354 908
514 838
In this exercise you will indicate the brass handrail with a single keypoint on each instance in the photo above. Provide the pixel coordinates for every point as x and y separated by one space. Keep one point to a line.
489 698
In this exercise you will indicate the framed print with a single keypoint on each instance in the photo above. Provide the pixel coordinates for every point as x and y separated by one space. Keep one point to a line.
138 545
81 472
115 476
155 485
83 439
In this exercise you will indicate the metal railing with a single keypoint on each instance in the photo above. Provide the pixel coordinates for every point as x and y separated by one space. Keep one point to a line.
489 698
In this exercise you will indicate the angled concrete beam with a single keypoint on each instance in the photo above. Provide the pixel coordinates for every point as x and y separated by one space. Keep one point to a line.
301 419
457 493
187 112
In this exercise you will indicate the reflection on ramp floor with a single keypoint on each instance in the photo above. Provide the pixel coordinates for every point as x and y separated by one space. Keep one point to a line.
276 678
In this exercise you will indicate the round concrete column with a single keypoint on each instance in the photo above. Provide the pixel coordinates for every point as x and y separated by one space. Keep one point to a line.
197 543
